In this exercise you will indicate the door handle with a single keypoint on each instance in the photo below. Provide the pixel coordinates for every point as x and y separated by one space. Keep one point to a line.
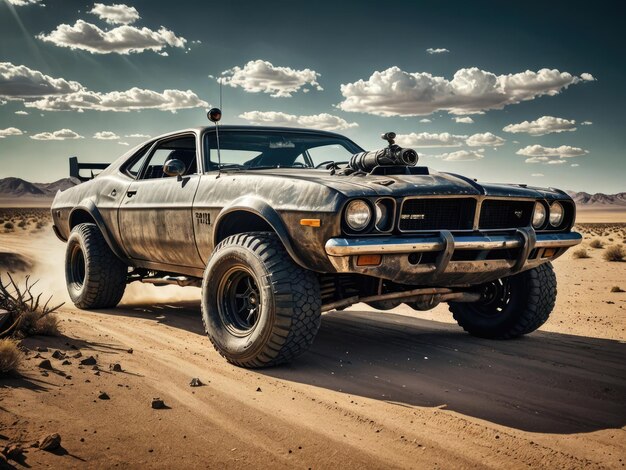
131 192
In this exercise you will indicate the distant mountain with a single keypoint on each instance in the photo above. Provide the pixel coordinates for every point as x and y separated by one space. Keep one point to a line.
17 187
599 199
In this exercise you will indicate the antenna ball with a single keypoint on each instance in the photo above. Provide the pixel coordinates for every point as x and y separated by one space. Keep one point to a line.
214 114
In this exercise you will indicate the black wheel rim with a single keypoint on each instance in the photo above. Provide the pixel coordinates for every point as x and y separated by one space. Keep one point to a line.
77 267
239 300
496 298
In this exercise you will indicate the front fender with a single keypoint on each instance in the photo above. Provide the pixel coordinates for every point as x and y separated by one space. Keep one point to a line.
262 209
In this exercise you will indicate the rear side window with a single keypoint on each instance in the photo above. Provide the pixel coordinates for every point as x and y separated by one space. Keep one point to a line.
136 163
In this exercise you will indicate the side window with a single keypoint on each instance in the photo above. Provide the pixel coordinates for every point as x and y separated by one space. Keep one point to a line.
137 162
180 148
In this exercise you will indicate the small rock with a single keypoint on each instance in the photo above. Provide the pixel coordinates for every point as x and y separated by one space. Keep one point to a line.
104 396
42 349
195 382
58 354
77 355
130 351
158 404
115 367
50 442
13 451
37 356
44 373
65 363
73 346
89 361
258 389
45 364
96 372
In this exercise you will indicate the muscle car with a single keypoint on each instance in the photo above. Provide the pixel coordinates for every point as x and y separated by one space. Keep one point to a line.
278 225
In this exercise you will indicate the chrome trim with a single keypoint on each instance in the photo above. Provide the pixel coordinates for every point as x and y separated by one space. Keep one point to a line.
395 245
394 214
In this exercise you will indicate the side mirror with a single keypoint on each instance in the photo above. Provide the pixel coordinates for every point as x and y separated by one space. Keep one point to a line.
174 167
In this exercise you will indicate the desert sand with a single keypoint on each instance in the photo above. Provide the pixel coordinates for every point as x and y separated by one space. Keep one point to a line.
397 389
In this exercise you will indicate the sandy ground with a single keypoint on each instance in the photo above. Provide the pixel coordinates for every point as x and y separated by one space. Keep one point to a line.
378 390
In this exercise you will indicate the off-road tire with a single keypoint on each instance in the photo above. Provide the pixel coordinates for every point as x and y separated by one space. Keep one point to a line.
289 312
104 276
532 299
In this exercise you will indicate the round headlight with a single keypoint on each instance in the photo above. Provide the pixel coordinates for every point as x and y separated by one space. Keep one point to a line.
556 214
358 215
382 216
539 215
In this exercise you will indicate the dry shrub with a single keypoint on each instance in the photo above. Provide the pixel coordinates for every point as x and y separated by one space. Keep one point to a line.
580 253
595 243
27 315
614 253
10 356
616 289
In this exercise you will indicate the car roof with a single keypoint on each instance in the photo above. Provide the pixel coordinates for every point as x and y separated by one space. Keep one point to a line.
234 127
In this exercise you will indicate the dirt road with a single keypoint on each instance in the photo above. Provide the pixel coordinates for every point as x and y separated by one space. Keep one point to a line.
377 390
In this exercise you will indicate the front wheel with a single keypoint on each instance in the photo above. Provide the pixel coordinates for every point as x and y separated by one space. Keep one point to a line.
512 306
259 308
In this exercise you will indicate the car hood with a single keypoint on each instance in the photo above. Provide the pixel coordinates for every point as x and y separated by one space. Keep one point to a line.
432 183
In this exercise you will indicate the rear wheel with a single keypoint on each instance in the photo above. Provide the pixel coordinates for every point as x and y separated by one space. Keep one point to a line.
259 308
95 277
512 306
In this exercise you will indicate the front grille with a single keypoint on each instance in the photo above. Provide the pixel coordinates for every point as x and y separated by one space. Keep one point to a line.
503 214
437 214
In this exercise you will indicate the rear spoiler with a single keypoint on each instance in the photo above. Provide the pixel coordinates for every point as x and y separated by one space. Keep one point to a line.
75 168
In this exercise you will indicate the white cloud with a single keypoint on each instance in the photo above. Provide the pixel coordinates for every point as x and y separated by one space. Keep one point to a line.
19 81
120 101
587 77
550 155
21 3
574 164
40 91
586 123
124 143
439 50
462 156
394 92
62 134
464 120
9 131
537 174
106 135
138 136
542 126
116 13
425 120
21 113
322 121
123 39
426 139
486 139
261 76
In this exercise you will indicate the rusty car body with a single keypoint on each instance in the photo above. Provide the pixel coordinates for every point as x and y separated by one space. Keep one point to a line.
176 208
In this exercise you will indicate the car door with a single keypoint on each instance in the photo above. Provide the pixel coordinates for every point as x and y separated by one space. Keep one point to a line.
155 216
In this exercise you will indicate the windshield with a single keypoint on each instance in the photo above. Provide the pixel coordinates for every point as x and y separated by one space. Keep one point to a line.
276 149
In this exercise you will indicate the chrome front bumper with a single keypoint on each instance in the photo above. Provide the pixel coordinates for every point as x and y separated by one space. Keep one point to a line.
530 249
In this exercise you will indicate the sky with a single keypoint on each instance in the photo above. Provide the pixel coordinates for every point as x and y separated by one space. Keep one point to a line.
512 92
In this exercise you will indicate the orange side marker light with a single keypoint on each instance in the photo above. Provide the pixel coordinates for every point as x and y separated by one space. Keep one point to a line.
310 222
368 260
